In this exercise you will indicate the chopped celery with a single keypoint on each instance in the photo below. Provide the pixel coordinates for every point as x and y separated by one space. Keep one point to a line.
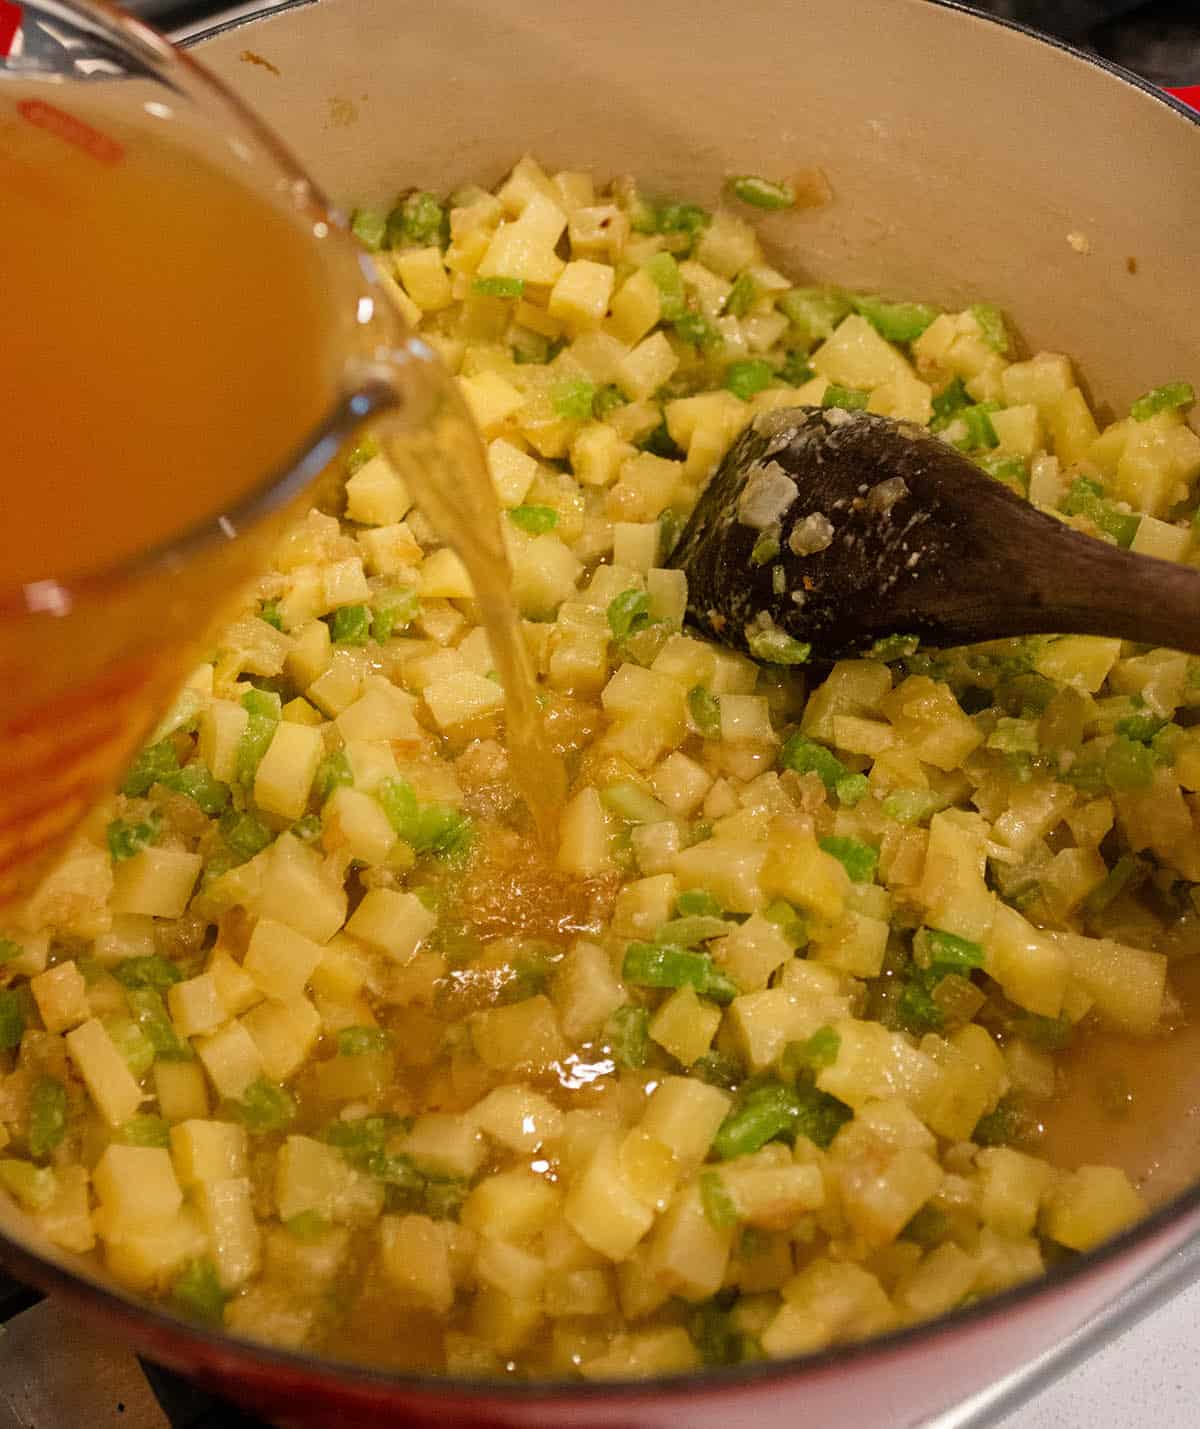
947 951
765 548
152 971
1118 878
632 803
245 833
1086 498
1010 470
131 1042
308 1227
911 806
992 326
351 625
607 399
856 857
307 829
705 710
777 647
332 772
852 789
534 520
265 1107
12 1019
695 329
1142 726
716 1201
978 422
34 1186
627 1034
126 837
269 611
804 755
418 219
696 903
718 1069
498 287
628 612
1162 399
573 400
893 647
197 1292
264 710
748 376
789 921
361 455
428 828
849 399
394 610
688 219
150 1014
814 312
795 370
153 764
897 322
762 193
666 965
659 443
145 1131
359 1041
948 403
369 226
664 270
690 932
742 296
47 1116
1128 765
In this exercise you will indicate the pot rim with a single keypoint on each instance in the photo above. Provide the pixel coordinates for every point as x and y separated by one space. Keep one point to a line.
217 1346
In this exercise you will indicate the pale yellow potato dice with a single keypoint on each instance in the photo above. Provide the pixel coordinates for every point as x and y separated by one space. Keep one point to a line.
297 891
523 1036
284 1033
544 575
443 576
855 944
444 1144
203 1150
390 550
525 248
307 661
1159 538
147 1257
377 495
392 923
1086 1207
279 960
299 711
222 725
61 996
856 356
597 454
354 819
416 1262
196 1005
286 771
518 1117
684 1116
155 881
601 1206
647 367
635 544
685 1025
636 307
581 295
108 1079
231 1058
181 1090
1019 430
311 1176
513 471
688 1254
461 697
381 712
235 987
800 871
424 277
136 1184
344 583
226 1211
1083 661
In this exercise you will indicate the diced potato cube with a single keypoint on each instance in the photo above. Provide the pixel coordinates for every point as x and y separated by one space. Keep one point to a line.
874 1064
377 494
136 1184
424 277
416 1261
1072 427
195 1005
462 697
149 1254
953 891
687 1252
392 923
155 881
444 1145
684 1116
280 960
1042 381
1013 1185
879 1202
647 367
524 1035
685 1026
1088 1206
856 356
222 725
284 1033
636 307
354 819
1126 984
585 991
235 987
1030 967
797 869
344 583
597 454
298 891
204 1150
381 712
226 1210
181 1090
544 575
311 1176
855 944
603 1208
727 868
518 1117
514 1205
513 471
61 996
231 1058
580 296
583 836
105 1073
524 248
491 399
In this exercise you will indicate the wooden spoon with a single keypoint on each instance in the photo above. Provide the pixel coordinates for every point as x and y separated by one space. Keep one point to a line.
838 528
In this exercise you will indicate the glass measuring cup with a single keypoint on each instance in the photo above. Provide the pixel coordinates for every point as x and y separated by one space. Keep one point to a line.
90 653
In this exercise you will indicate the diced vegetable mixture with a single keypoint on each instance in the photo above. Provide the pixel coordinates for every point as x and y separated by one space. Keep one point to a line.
318 1042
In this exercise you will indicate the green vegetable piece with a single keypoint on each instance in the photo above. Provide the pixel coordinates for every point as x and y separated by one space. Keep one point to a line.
715 1335
607 399
34 1186
418 219
153 971
947 952
245 833
360 1041
804 756
332 772
916 1010
718 1070
790 921
666 965
1118 878
431 828
307 829
659 443
47 1116
308 1227
127 837
394 610
628 612
818 1051
150 1014
696 330
696 903
1163 399
1011 471
351 625
978 422
10 950
264 703
849 399
265 1107
774 1111
1141 727
948 403
776 647
897 322
705 710
991 326
664 270
1009 1124
1051 1034
856 857
535 520
691 932
197 1292
1128 765
852 789
198 784
132 1043
269 611
361 454
153 764
748 376
814 312
264 709
928 1228
795 370
742 296
911 806
369 226
765 548
145 1131
893 647
1014 736
499 287
688 219
629 801
1086 498
627 1033
762 193
573 400
718 1205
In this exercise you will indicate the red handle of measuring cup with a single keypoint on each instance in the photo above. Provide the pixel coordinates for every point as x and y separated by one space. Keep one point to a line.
1189 95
